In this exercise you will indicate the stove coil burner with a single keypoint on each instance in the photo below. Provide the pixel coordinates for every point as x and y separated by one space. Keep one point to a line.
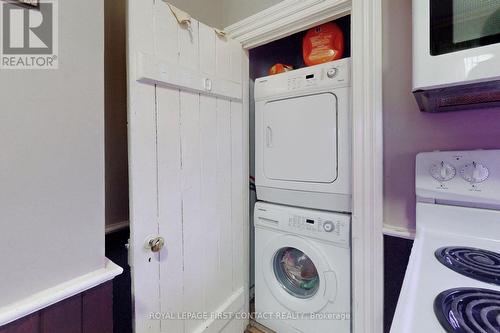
478 264
468 310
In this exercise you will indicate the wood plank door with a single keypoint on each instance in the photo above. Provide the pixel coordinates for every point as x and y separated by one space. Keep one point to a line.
188 148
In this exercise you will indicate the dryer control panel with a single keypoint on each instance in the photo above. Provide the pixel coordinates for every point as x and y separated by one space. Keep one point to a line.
327 226
329 75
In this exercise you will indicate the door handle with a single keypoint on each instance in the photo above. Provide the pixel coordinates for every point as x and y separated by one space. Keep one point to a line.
330 292
269 137
156 244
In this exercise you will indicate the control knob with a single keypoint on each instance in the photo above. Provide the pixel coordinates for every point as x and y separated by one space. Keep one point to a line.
328 226
443 171
332 72
474 172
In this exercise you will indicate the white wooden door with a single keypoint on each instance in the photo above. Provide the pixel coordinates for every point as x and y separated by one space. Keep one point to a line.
188 147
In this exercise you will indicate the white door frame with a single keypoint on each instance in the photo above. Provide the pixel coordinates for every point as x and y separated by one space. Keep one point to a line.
290 16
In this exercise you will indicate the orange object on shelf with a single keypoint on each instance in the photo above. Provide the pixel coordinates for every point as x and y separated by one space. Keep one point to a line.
280 68
322 44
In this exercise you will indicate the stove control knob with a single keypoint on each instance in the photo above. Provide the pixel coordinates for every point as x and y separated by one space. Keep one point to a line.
328 226
332 72
443 171
475 172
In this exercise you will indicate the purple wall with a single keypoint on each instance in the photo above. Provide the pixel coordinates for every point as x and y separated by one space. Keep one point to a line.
408 131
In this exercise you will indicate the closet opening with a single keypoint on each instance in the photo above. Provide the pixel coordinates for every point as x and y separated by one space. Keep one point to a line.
288 57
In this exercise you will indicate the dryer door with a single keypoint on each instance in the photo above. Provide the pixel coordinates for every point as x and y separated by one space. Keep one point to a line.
298 275
300 138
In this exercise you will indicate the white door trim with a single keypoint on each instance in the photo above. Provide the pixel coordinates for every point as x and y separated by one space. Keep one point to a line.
290 16
367 225
285 18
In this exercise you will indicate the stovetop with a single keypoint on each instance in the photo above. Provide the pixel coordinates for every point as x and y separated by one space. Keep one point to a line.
479 264
468 310
447 259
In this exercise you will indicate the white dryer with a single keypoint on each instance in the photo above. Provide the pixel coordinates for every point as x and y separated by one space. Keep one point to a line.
302 269
303 137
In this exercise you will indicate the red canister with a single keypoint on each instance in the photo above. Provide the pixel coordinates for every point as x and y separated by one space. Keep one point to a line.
322 44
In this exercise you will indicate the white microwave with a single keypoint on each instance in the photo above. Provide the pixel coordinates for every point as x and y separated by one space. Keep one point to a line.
456 54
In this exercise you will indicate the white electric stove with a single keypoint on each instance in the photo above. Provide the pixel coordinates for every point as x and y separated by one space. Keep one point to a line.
452 282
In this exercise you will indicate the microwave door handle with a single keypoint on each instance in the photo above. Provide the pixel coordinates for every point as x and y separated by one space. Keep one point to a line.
269 137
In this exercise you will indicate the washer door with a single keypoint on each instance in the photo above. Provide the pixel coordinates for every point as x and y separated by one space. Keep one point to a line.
297 274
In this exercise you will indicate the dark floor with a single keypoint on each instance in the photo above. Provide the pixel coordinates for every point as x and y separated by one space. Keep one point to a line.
122 299
396 256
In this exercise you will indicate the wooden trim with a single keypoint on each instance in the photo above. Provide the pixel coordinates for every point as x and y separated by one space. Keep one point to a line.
58 293
367 223
246 171
97 308
162 72
233 304
65 316
87 312
29 324
284 19
291 16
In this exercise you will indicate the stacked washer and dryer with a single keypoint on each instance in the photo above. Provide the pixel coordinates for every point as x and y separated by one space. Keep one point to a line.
303 180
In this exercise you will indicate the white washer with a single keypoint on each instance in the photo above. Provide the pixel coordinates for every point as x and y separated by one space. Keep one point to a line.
303 137
302 269
452 283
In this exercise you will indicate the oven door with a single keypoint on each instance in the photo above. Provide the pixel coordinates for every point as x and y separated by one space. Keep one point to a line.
455 42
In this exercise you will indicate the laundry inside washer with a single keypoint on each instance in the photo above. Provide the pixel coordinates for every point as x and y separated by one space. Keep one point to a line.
296 272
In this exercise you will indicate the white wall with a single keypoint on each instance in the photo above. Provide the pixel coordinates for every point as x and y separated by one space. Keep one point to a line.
237 10
52 161
407 131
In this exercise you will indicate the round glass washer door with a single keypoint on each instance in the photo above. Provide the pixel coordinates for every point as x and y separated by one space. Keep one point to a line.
296 272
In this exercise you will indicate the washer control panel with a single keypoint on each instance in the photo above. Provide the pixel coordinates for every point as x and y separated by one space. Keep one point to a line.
460 176
314 225
333 227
